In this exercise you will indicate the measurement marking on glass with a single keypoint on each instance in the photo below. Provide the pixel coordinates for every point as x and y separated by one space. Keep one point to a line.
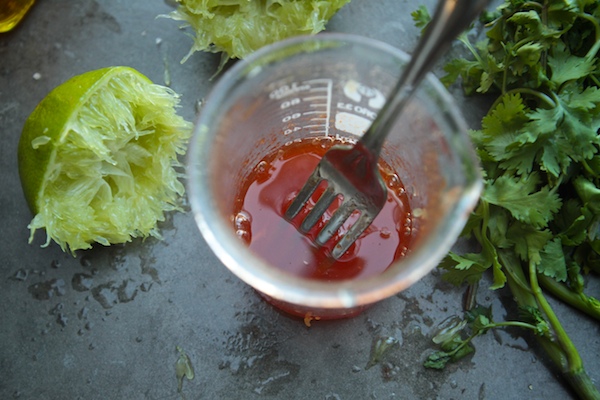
311 98
329 96
323 101
318 80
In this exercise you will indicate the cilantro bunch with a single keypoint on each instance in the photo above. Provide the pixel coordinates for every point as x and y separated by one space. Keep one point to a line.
538 221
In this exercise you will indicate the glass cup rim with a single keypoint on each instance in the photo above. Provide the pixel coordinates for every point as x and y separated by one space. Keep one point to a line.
269 280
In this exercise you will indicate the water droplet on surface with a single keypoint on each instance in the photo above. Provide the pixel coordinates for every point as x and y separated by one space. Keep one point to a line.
127 291
55 264
106 294
145 286
83 313
62 319
85 262
198 104
56 309
20 275
82 282
148 269
45 290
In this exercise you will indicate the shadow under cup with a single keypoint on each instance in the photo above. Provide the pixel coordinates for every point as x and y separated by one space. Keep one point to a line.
271 99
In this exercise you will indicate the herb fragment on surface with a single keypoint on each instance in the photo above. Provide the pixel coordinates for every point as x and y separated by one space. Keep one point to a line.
381 346
455 340
236 28
538 220
183 369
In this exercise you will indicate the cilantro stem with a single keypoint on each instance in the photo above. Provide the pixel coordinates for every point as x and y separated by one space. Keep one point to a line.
536 93
544 16
463 344
573 358
532 4
519 281
505 73
506 65
578 379
516 280
517 324
465 40
574 371
587 168
583 303
594 49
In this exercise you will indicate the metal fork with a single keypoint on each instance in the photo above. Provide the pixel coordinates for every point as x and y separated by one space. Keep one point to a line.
351 171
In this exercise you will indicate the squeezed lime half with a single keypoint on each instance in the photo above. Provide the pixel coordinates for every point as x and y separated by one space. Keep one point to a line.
98 159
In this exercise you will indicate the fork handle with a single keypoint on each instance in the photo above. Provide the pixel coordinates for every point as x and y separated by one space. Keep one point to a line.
451 18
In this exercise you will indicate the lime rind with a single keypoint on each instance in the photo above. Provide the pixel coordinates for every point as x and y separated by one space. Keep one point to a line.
114 170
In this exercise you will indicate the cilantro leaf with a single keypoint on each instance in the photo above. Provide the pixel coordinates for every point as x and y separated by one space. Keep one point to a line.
567 67
529 241
552 261
521 196
538 221
572 222
421 17
533 316
467 268
437 360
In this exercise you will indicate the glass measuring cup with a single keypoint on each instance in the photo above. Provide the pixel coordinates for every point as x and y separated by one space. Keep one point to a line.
330 86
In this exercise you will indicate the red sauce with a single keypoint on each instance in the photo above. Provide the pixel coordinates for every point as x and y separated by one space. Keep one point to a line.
269 190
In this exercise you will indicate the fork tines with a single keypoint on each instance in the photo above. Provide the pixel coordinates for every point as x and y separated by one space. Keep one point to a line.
342 213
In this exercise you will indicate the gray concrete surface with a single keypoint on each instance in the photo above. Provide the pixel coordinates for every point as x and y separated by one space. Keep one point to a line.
105 325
